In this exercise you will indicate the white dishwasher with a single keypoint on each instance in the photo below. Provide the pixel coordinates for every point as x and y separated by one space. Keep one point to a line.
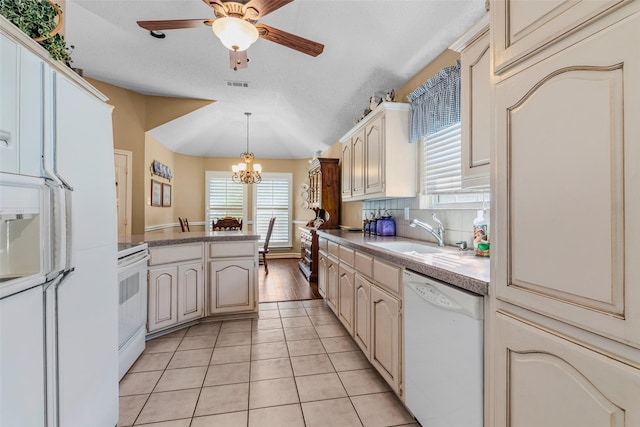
443 353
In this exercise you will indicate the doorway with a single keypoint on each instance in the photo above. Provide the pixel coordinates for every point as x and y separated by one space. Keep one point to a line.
123 162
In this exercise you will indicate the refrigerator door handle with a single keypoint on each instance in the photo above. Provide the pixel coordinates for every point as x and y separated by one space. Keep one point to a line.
58 245
50 158
69 253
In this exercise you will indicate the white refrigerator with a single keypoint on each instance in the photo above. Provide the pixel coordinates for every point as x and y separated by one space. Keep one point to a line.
59 327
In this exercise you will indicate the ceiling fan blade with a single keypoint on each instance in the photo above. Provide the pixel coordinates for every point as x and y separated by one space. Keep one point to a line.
290 40
174 24
265 7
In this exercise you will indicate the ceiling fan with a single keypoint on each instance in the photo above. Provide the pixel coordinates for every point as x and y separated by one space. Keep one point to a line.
237 28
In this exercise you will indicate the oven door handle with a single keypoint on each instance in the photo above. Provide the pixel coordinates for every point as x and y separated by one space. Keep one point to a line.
133 260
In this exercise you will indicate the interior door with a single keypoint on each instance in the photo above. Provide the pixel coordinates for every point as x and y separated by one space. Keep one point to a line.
123 160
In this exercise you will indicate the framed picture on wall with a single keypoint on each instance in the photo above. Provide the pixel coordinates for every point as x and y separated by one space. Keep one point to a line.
166 195
156 193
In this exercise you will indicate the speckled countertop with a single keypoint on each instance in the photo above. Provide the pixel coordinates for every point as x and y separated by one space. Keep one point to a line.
459 268
165 239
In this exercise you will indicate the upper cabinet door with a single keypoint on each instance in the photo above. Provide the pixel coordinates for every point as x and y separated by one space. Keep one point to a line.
32 111
375 156
8 105
347 164
358 165
524 27
568 180
475 116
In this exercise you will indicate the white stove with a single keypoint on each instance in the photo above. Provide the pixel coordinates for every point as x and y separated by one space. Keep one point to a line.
132 309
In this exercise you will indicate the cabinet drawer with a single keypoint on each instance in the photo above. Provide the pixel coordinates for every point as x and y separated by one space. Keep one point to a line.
168 254
364 264
389 276
322 244
334 249
346 255
232 249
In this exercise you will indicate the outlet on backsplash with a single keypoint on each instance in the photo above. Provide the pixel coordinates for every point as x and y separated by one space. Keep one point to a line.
458 223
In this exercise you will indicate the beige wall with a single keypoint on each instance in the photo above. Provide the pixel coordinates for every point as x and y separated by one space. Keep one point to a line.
128 134
159 215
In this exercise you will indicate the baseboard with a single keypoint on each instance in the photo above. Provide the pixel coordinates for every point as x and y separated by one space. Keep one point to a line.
283 255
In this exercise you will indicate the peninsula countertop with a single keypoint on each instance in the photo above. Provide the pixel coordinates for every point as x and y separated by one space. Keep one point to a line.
178 238
459 268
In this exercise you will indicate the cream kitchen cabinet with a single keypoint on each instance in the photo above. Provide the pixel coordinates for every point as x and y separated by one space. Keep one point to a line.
176 285
362 314
346 290
551 380
576 182
333 278
475 97
522 28
163 296
22 109
322 273
379 161
565 321
385 336
233 277
365 294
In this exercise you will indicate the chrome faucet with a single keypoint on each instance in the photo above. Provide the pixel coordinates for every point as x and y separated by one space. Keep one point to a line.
438 234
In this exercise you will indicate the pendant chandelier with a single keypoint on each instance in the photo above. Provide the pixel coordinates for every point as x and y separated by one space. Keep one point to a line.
246 172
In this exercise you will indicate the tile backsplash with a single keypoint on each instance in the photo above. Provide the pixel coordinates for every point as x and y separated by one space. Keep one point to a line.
458 223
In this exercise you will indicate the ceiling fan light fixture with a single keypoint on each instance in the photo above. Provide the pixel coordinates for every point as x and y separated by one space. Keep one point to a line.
235 33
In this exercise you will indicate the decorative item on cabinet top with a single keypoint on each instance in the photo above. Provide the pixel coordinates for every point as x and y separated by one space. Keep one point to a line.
374 102
161 170
37 19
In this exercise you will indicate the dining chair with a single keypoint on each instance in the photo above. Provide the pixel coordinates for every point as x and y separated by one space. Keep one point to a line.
227 223
184 224
265 249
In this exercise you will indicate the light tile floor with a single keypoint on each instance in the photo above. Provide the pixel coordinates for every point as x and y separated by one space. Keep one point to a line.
296 366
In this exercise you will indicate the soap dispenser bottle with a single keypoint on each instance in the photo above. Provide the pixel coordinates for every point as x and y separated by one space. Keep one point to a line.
481 235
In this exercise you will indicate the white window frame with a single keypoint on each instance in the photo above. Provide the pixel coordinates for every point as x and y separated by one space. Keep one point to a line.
265 177
434 200
227 176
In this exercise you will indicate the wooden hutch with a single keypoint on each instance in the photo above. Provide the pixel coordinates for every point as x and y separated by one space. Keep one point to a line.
324 200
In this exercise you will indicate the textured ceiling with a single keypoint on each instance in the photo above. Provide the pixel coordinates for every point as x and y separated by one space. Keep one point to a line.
300 104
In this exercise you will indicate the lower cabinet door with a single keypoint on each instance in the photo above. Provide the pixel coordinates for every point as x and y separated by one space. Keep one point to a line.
190 292
163 293
346 290
232 285
385 336
362 314
322 274
543 379
332 284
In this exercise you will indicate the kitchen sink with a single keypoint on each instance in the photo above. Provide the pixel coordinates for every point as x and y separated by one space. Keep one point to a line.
409 247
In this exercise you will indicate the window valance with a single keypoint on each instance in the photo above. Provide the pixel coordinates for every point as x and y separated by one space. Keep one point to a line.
435 105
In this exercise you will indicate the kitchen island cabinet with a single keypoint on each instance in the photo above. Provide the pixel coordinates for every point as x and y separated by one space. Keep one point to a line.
182 290
176 285
233 277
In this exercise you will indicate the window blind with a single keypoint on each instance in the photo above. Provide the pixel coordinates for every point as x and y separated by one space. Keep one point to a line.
443 160
273 199
224 197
